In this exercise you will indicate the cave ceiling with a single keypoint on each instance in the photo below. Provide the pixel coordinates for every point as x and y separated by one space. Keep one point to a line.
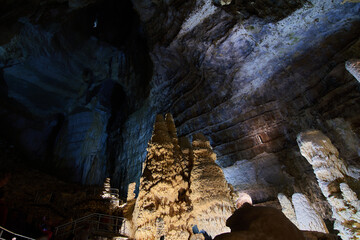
82 81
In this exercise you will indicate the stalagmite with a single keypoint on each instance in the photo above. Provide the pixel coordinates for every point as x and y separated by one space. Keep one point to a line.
106 191
287 209
306 215
181 189
353 66
210 194
332 175
131 191
161 206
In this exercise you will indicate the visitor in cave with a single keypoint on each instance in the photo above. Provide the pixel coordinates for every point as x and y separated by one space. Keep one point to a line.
203 232
46 229
258 222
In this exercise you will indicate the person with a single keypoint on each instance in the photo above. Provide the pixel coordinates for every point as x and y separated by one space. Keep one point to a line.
250 222
203 232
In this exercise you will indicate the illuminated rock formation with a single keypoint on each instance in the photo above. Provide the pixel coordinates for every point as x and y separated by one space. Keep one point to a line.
308 219
161 204
353 66
210 194
332 175
287 208
164 206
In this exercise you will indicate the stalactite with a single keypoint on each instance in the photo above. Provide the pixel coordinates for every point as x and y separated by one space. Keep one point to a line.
332 175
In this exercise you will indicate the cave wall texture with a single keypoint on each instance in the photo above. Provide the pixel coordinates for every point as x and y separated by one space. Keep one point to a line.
82 82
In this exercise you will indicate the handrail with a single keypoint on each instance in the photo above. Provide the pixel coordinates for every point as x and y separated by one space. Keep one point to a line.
92 218
19 235
88 216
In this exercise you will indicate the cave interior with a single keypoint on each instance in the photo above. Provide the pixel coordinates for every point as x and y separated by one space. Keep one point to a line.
267 90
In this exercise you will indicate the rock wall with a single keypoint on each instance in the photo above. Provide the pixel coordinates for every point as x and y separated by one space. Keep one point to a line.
180 187
333 178
81 146
353 66
249 83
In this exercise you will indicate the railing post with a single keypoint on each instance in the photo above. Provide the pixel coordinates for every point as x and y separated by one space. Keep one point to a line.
1 232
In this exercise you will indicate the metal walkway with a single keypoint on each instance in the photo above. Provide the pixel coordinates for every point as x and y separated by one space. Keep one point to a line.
95 224
12 234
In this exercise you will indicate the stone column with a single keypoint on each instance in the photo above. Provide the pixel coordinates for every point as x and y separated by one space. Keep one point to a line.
353 66
332 174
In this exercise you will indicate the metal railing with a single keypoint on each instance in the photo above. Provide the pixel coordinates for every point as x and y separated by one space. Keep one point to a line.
96 224
17 236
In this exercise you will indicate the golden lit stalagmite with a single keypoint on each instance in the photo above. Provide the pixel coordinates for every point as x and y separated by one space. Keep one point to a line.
161 208
181 187
210 193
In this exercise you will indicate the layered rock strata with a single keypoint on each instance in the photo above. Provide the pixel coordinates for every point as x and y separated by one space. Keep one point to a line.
334 180
180 187
353 66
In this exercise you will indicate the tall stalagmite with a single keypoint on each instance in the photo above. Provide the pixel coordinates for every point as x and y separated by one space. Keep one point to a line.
181 187
210 193
333 178
161 206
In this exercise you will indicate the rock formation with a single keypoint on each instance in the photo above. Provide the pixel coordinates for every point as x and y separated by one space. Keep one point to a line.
210 195
180 188
333 178
288 209
262 177
162 205
353 66
306 216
